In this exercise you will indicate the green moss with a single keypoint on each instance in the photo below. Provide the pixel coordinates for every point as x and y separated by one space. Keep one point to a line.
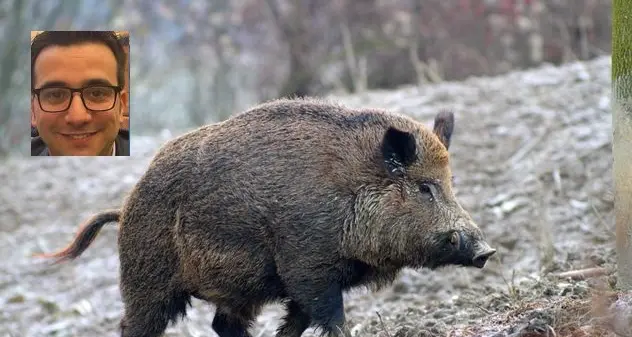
622 47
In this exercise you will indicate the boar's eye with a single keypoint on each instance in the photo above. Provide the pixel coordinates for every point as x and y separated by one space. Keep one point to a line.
427 190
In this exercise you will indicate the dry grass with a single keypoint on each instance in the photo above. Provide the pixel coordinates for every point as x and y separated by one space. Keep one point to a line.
580 314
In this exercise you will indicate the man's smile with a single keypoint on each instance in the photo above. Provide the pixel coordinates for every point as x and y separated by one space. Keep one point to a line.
78 135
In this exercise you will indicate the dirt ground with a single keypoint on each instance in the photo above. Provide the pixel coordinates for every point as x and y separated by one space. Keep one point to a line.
532 158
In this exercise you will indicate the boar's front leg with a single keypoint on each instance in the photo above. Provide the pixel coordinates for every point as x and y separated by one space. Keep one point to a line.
229 326
318 299
233 322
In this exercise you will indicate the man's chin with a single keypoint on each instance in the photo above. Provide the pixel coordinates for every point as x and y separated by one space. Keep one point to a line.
75 153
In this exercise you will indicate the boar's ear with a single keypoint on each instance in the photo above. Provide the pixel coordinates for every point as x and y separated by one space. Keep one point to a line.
398 149
443 127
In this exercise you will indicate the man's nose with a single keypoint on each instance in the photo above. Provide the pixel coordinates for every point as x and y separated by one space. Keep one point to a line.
77 112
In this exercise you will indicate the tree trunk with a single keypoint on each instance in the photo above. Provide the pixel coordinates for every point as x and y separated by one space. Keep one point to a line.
294 28
622 136
197 111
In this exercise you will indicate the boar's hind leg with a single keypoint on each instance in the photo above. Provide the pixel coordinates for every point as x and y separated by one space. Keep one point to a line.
295 322
147 317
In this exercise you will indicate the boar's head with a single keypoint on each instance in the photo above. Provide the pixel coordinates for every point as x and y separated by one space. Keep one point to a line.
411 217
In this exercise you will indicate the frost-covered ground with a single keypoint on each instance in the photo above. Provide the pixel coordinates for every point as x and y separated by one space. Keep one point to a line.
532 158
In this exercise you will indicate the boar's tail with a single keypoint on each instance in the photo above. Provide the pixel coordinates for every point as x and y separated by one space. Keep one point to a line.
86 235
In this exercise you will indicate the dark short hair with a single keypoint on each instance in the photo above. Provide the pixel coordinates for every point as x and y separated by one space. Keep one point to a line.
124 40
67 38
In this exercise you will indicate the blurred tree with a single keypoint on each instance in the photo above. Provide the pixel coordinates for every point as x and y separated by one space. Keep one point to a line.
197 61
622 136
223 93
11 128
295 30
205 46
425 71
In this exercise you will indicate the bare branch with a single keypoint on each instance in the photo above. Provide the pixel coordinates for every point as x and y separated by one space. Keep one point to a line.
582 274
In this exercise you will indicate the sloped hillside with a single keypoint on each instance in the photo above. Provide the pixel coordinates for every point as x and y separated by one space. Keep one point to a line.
532 158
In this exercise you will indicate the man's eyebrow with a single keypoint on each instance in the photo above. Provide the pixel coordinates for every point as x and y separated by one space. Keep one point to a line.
96 81
53 84
90 82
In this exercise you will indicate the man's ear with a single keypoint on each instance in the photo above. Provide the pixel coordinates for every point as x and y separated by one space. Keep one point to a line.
124 111
399 150
124 102
33 117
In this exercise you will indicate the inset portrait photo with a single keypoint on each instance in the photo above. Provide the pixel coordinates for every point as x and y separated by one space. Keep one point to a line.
80 93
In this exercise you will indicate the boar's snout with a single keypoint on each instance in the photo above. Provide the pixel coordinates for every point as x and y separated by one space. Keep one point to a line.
459 247
482 253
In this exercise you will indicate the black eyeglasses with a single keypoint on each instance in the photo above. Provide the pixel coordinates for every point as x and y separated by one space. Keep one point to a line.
94 98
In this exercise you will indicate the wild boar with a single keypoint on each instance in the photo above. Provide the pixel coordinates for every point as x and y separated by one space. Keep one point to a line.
294 200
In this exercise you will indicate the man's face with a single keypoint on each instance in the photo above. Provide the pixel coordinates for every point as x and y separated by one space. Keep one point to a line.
77 131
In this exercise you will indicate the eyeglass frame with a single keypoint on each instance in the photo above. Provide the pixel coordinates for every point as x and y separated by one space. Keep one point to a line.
117 90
